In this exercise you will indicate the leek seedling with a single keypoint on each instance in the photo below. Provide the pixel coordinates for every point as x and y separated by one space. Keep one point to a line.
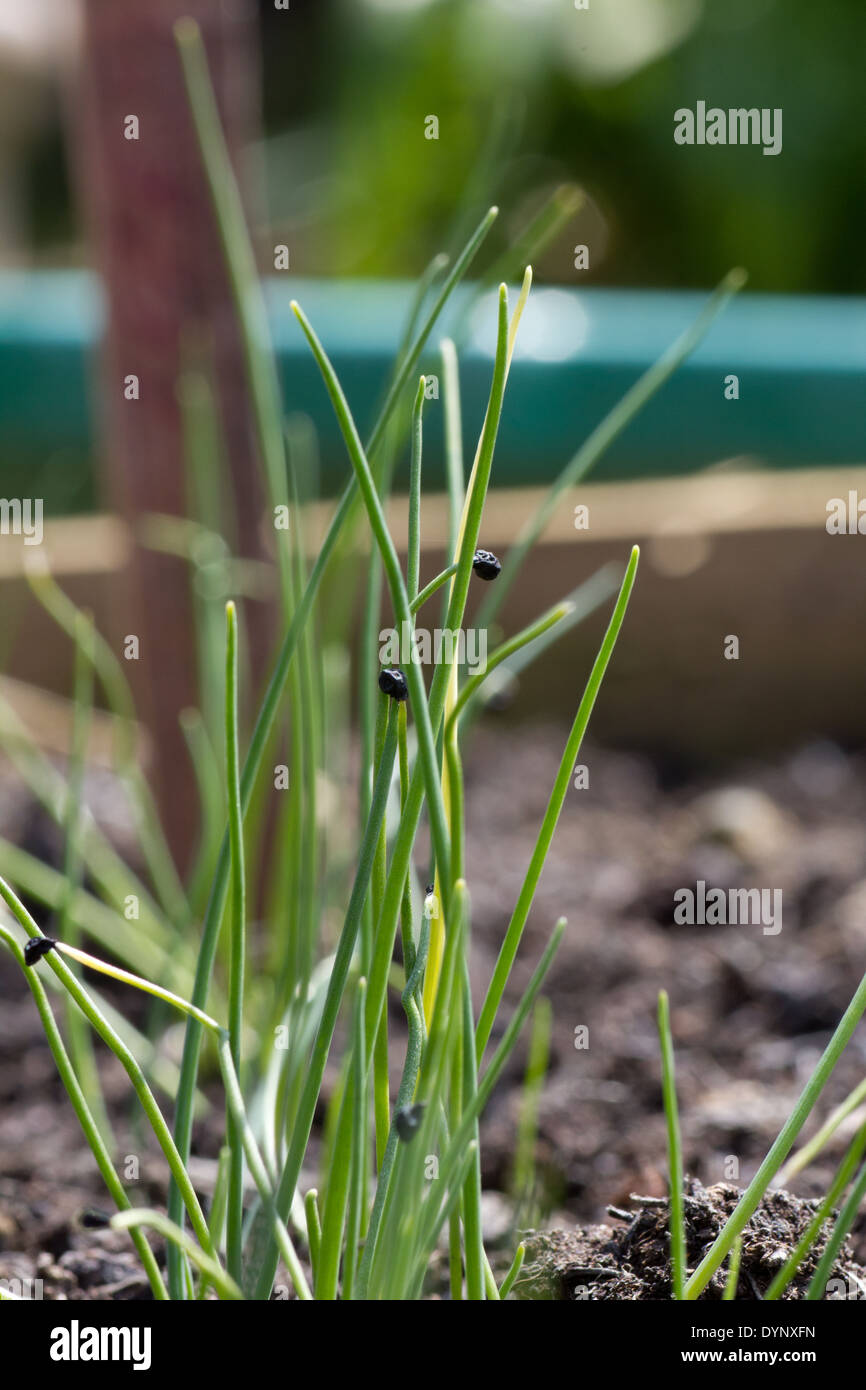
328 930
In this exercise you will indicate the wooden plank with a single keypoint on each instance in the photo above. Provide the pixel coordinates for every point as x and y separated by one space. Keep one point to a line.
728 498
47 720
742 553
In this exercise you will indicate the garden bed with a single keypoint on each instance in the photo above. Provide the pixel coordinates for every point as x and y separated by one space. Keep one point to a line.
750 1011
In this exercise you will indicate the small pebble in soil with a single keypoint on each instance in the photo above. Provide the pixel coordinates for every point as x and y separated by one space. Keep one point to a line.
392 682
36 948
486 565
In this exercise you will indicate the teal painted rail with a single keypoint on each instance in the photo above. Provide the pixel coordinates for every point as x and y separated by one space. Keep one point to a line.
801 365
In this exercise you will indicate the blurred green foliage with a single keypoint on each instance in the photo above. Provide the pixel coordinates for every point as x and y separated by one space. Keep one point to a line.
531 93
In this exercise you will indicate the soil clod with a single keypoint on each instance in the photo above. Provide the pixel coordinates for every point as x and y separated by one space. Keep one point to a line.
603 1263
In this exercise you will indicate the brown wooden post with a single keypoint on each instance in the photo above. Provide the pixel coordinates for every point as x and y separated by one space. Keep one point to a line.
156 248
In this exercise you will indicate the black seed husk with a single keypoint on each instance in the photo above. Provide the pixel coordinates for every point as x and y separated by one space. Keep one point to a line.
392 682
36 948
486 565
407 1120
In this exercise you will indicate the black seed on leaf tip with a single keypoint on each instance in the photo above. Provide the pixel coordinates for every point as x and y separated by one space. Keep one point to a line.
407 1120
486 565
36 948
392 682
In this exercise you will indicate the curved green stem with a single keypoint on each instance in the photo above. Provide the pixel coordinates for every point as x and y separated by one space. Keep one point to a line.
750 1199
554 615
840 1182
514 1269
333 999
235 1214
413 560
257 1167
396 585
430 589
604 435
88 1124
675 1148
408 1082
844 1222
513 935
129 1064
137 1217
214 152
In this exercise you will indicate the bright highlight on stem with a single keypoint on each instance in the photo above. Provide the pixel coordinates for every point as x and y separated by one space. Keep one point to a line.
104 967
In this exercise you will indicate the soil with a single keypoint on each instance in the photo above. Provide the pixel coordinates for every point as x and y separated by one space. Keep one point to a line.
751 1012
632 1261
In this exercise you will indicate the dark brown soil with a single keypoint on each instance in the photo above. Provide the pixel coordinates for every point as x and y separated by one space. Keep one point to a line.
631 1261
751 1012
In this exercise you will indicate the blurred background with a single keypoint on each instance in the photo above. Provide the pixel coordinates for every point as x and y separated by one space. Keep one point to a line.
110 266
545 94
